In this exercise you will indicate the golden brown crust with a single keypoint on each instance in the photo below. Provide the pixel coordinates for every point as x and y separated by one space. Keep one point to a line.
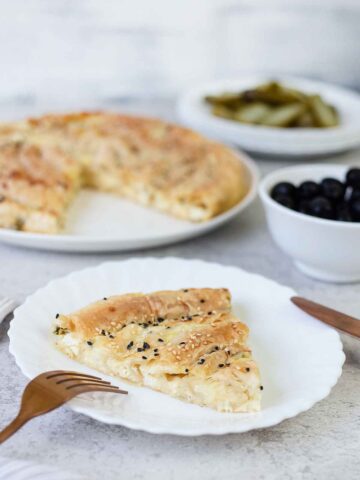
150 161
185 343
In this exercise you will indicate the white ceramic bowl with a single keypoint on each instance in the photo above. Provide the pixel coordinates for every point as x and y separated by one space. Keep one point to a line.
324 249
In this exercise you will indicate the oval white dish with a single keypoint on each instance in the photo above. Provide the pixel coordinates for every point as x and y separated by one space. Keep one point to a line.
323 249
300 358
275 141
99 222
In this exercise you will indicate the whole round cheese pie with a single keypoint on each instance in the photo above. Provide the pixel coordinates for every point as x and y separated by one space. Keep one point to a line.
45 161
184 343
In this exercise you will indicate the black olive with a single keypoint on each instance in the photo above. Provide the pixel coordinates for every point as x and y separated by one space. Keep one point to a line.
332 189
307 190
355 210
353 177
283 188
354 195
321 207
343 213
303 206
285 200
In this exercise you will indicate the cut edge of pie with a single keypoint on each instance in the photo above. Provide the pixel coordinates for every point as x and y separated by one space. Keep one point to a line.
183 343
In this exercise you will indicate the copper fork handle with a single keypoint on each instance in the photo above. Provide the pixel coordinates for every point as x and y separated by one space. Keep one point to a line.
13 427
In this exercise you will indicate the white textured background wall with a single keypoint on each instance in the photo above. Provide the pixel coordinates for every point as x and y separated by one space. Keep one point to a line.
79 49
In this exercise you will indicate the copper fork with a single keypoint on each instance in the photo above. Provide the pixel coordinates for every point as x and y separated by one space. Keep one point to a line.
52 389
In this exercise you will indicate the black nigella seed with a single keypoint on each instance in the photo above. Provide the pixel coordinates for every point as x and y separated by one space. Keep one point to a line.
140 349
156 354
160 340
144 358
146 346
247 369
130 345
167 328
221 365
186 370
89 343
186 290
103 332
57 315
210 313
201 361
216 347
111 336
156 350
182 343
261 387
160 319
202 301
227 364
105 298
145 325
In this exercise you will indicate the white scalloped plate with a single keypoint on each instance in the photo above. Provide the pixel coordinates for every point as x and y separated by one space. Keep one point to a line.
300 358
100 222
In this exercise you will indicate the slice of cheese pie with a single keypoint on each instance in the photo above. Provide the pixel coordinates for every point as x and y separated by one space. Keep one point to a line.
185 343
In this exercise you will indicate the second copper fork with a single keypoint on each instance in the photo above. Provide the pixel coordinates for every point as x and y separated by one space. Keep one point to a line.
52 389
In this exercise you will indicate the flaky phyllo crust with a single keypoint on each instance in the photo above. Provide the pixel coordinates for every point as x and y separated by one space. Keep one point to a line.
45 161
184 343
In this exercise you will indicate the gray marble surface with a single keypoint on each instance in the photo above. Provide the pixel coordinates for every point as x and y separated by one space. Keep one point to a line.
322 443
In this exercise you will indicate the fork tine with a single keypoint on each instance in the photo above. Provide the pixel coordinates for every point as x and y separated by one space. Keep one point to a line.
79 379
94 386
90 389
59 373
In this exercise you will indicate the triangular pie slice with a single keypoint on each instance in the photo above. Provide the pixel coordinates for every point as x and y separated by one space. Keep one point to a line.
184 343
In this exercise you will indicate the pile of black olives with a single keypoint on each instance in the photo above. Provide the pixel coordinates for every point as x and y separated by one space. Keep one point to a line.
329 199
